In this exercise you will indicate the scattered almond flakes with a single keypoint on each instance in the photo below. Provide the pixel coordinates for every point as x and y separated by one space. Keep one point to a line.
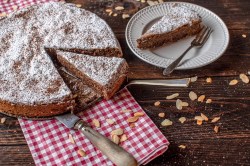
184 104
182 119
215 119
182 146
209 80
3 120
123 138
81 153
71 139
199 118
244 78
124 15
233 82
115 14
110 121
96 123
192 95
201 98
132 125
119 8
244 35
150 3
79 5
193 79
118 131
139 114
204 117
132 119
160 1
115 139
157 103
126 110
161 114
172 96
3 14
216 129
14 7
166 122
209 101
199 122
179 104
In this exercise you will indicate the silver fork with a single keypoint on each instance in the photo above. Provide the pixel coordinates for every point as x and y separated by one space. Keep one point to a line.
199 41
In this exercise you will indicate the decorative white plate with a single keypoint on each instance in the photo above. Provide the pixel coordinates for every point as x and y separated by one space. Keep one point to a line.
215 46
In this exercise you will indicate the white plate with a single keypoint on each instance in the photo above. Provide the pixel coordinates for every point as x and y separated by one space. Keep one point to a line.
215 46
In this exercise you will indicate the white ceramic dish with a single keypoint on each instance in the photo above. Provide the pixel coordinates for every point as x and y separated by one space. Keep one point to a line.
163 56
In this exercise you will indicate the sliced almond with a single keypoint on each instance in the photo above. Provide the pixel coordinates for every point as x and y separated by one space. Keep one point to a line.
132 119
110 13
199 118
216 129
79 5
160 1
81 153
3 120
161 114
172 96
157 103
124 15
199 122
244 78
150 3
132 125
126 110
96 123
215 119
201 98
192 95
182 146
244 35
123 138
233 82
119 8
71 139
139 114
166 122
204 117
184 104
115 14
110 121
209 101
182 119
108 10
179 104
143 1
118 131
209 80
193 79
115 139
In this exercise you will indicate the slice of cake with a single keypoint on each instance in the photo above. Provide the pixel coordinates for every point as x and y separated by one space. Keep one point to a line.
178 23
104 74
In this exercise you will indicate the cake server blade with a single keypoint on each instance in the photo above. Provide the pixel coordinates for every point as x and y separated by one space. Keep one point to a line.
182 82
115 153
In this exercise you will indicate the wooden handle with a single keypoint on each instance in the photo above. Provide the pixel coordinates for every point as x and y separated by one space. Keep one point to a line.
115 153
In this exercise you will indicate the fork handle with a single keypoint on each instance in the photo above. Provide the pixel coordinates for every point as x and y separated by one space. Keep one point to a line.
174 64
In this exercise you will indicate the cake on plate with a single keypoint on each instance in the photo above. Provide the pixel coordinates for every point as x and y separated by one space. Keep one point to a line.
176 24
104 74
30 84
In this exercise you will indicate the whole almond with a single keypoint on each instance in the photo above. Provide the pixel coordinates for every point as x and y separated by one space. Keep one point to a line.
244 78
192 95
132 119
172 96
118 131
139 114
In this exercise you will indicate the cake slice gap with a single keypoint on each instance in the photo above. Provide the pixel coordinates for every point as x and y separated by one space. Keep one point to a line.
177 24
104 74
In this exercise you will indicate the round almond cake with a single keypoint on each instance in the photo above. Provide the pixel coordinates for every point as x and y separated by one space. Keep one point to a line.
30 84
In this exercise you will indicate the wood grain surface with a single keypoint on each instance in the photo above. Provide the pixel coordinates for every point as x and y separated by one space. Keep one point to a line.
230 146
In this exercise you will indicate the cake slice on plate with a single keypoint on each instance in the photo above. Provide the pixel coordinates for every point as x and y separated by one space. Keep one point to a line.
103 74
178 23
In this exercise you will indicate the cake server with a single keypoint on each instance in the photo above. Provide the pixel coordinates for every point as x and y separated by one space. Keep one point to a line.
115 153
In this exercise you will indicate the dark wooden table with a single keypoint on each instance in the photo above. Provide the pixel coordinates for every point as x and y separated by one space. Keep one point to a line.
230 146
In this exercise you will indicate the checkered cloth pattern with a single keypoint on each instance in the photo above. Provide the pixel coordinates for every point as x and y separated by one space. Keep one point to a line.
8 6
50 145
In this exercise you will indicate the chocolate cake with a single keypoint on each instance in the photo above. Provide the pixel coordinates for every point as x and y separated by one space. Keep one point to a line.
178 23
104 74
30 85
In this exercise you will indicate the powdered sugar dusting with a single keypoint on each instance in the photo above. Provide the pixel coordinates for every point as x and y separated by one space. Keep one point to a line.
27 74
104 70
177 16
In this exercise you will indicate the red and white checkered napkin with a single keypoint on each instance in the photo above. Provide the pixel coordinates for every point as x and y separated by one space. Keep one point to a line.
8 6
50 145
